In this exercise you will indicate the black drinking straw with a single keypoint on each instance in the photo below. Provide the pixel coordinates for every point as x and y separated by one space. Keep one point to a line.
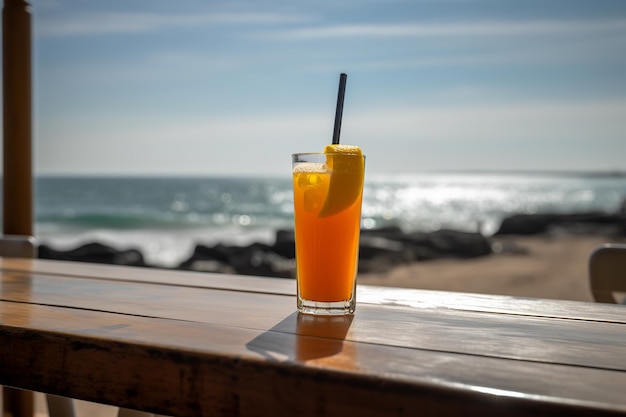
339 110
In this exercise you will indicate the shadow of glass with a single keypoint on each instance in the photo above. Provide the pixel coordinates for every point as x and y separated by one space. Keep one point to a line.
303 337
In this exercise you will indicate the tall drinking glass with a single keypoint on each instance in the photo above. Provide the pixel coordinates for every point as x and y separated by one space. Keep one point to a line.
328 190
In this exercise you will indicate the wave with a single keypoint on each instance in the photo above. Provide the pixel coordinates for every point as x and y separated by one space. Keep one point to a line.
159 220
416 202
111 220
165 218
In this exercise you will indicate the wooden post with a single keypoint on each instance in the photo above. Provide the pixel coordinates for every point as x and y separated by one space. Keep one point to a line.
16 70
17 189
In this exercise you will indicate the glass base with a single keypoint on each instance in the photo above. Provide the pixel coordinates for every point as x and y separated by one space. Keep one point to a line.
327 308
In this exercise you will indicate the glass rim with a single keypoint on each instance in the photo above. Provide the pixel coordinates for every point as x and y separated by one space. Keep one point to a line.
324 153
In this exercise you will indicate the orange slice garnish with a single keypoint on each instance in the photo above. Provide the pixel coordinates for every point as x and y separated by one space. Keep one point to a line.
346 164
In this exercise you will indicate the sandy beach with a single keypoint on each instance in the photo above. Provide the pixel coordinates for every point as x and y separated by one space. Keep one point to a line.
541 266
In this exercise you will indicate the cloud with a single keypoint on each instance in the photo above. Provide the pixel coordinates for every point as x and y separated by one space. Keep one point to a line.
513 134
554 121
106 23
532 135
238 144
499 53
429 30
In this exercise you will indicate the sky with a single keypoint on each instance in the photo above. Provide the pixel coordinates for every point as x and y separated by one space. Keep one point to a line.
198 87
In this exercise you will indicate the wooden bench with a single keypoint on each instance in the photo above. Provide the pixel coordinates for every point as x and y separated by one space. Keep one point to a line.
192 344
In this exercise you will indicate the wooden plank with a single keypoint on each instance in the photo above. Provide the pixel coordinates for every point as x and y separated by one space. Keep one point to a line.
366 294
151 275
535 307
189 368
540 339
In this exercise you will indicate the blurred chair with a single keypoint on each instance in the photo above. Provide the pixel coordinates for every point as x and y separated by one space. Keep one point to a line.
607 272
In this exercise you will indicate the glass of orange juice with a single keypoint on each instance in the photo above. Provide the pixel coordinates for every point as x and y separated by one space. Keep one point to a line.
328 189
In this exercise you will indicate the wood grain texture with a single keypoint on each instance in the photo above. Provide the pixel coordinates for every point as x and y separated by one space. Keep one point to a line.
181 368
365 294
129 339
521 337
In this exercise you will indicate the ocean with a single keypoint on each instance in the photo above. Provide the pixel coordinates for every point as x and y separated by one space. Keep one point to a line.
166 217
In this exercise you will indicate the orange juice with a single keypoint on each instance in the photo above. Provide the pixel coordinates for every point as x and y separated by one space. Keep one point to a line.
327 211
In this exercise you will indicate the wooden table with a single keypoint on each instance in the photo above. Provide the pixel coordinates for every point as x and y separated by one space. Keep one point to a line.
183 343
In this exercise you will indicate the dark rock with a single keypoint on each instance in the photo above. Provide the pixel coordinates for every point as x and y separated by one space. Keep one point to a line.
460 244
525 224
442 243
96 253
389 232
218 253
260 259
285 244
254 259
371 247
379 250
379 254
577 223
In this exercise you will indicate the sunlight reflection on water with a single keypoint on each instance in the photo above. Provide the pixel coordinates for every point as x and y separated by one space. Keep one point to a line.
177 211
479 202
